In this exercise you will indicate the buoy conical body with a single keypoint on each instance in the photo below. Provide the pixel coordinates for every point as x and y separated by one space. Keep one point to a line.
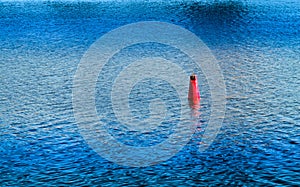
194 94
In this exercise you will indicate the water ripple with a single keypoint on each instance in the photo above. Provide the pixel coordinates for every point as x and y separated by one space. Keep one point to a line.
256 44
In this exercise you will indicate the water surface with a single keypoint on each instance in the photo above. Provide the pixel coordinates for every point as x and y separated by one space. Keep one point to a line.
256 43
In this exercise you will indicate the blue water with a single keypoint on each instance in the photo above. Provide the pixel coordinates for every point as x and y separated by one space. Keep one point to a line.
256 43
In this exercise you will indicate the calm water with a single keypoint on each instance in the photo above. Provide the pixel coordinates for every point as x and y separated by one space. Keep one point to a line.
256 43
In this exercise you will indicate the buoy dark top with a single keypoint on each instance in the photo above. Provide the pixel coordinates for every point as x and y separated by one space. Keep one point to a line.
193 77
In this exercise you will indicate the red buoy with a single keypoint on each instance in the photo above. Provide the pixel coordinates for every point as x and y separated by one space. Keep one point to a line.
194 94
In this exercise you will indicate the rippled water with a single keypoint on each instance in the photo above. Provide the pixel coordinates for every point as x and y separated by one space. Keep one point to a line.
256 43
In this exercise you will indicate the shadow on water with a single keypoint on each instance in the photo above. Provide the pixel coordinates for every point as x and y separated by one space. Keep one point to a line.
218 12
236 21
217 18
